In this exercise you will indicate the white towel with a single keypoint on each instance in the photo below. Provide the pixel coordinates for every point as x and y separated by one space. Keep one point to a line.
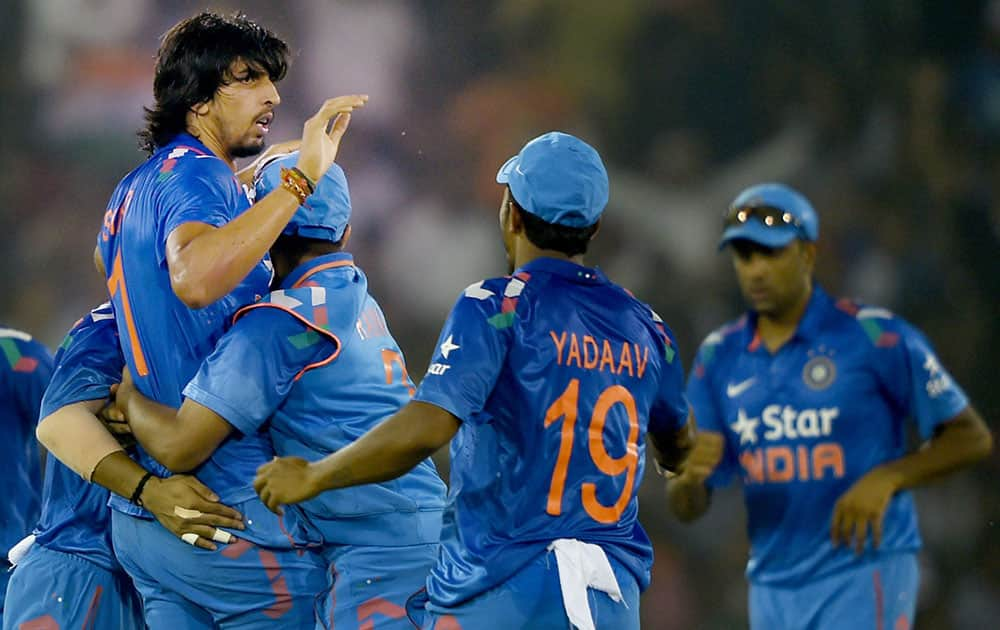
582 566
17 552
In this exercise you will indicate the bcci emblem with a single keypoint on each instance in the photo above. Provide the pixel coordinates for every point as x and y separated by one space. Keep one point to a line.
819 373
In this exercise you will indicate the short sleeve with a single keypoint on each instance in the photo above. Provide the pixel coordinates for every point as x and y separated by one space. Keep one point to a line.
701 396
202 191
255 364
471 351
918 383
669 411
87 364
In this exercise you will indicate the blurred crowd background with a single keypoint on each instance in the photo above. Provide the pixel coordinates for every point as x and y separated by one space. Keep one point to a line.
885 113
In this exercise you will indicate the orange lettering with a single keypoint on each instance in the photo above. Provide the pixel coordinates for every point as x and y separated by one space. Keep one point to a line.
828 455
640 366
589 362
803 453
753 465
607 357
625 359
560 342
574 351
783 455
390 357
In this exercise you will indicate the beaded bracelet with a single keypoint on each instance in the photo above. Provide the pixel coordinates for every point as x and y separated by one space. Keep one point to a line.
295 182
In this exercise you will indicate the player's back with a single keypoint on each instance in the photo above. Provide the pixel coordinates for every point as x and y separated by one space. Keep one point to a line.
163 340
337 402
557 451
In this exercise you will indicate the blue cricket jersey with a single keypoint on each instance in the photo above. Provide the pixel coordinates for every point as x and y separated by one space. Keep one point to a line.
163 340
556 374
316 358
75 517
25 370
803 424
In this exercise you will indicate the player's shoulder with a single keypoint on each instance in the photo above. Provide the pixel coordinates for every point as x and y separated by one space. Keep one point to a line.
492 291
99 321
495 298
180 164
313 306
877 326
23 353
722 344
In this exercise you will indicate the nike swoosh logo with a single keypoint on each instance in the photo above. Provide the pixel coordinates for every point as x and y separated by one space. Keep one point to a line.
735 390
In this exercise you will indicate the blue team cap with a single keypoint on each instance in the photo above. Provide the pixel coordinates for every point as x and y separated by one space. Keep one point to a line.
325 214
770 214
559 179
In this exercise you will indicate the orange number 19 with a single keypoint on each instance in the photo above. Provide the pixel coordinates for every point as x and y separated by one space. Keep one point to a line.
565 407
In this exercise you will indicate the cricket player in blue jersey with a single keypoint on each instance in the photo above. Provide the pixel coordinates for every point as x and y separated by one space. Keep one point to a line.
182 250
549 380
24 373
314 363
67 573
805 398
69 576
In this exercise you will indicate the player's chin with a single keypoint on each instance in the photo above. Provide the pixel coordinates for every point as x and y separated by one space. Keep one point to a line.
249 147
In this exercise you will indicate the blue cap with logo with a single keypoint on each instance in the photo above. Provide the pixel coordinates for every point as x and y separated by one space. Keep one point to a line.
559 179
326 212
770 214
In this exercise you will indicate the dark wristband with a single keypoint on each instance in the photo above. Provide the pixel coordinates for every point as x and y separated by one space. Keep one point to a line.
136 498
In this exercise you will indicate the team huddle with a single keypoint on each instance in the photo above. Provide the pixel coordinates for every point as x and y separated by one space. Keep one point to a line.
235 441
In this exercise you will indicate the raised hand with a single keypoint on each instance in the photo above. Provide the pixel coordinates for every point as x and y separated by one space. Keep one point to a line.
320 140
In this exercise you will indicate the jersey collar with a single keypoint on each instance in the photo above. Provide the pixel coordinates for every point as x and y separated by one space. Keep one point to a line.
809 326
564 268
188 141
300 275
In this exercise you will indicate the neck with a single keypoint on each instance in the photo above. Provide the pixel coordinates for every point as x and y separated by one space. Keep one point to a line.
775 329
211 140
525 251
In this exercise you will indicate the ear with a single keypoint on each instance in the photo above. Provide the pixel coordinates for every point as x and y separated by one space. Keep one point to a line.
516 222
809 254
346 237
199 109
597 228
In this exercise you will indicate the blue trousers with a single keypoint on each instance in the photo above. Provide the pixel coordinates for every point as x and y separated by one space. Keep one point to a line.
877 595
52 589
531 599
241 585
371 585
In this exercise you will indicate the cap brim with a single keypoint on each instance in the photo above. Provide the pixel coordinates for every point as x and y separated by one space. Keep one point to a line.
503 175
759 233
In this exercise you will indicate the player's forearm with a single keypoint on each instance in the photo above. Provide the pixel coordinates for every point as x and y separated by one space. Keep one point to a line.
156 428
75 436
389 450
210 265
960 442
670 449
118 473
